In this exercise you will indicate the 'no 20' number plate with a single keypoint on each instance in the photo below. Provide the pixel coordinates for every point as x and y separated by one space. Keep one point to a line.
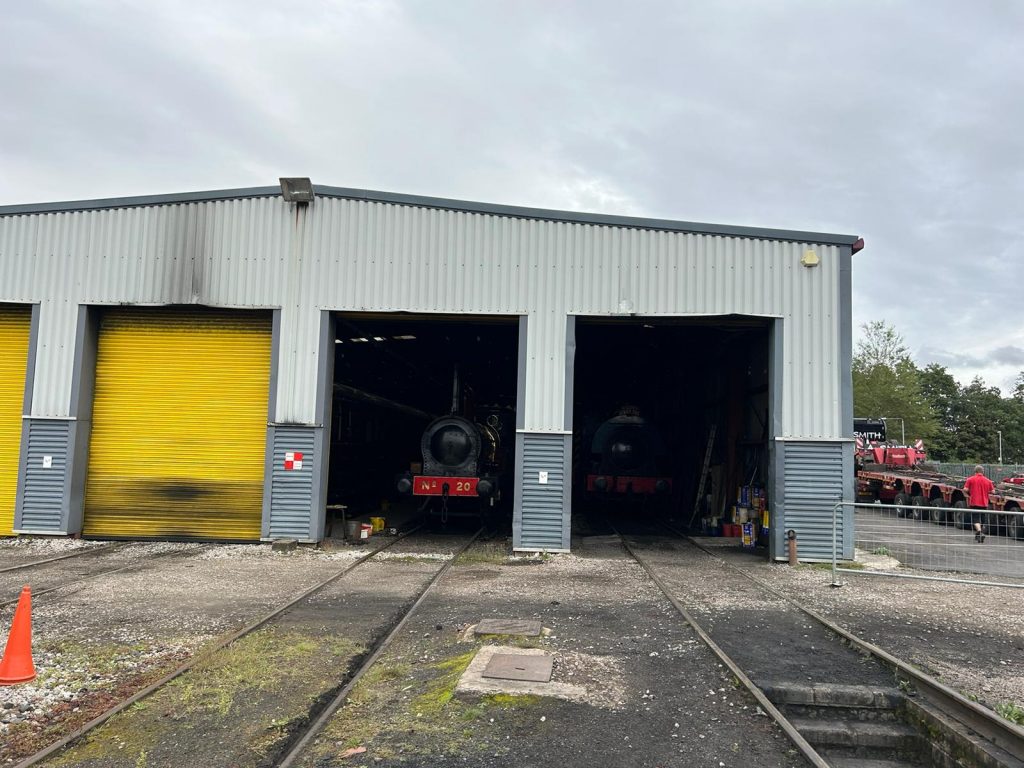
423 485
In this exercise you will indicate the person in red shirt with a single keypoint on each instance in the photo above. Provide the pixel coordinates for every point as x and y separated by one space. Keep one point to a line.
978 488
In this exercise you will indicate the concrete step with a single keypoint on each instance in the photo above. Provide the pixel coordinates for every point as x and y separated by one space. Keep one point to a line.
860 762
833 701
862 714
858 734
833 695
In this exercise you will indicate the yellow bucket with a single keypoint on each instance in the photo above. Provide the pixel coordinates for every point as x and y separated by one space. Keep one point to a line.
377 523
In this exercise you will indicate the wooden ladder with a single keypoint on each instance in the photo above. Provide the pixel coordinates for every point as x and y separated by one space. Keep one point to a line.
703 474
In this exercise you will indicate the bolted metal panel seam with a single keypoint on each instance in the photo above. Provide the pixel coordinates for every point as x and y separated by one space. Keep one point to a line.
291 490
41 508
814 479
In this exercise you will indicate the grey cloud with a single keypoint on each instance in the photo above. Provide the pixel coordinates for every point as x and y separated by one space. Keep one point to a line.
1008 355
950 359
896 122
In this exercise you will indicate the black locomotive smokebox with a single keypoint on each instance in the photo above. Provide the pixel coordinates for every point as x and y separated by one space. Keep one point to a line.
450 444
629 447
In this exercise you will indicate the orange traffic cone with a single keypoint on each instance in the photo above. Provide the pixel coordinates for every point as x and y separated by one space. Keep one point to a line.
16 665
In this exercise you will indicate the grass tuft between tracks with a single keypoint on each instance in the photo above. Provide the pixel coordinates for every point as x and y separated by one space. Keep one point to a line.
409 710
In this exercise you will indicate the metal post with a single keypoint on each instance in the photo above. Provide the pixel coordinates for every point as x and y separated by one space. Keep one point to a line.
791 543
1000 433
835 564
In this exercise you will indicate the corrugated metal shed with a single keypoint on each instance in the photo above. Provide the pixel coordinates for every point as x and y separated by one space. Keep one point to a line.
356 250
368 255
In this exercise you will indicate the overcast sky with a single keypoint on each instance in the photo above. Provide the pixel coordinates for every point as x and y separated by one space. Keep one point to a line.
902 122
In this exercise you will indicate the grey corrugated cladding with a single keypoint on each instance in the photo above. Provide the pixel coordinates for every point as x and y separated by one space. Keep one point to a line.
422 201
291 489
540 519
40 504
816 476
377 252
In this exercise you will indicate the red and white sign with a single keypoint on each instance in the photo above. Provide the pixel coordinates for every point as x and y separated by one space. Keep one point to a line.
293 460
425 485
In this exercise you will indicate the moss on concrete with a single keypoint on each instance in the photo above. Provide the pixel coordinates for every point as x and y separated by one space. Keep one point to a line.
430 719
287 664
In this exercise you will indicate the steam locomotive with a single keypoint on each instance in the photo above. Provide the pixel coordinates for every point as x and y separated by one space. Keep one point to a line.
462 460
627 460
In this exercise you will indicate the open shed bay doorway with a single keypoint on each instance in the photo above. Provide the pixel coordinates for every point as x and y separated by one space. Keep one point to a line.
395 376
659 404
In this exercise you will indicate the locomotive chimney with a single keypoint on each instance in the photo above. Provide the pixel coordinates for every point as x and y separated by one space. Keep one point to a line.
455 391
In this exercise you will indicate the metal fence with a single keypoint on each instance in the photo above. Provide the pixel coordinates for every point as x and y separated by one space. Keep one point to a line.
936 543
994 472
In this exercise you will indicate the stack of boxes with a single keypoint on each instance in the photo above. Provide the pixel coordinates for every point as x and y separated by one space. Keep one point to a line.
747 520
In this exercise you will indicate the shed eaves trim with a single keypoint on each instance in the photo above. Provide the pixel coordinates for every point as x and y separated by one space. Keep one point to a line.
599 219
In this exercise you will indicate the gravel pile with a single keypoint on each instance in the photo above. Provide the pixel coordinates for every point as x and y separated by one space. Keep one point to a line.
265 552
61 680
44 546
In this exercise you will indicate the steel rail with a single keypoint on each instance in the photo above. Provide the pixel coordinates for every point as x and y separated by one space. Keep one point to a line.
765 703
992 727
202 655
336 703
82 551
136 564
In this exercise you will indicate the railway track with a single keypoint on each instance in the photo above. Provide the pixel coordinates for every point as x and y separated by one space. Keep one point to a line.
83 551
841 700
89 576
303 604
316 726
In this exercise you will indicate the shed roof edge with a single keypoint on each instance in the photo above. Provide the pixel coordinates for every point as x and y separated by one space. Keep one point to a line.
522 212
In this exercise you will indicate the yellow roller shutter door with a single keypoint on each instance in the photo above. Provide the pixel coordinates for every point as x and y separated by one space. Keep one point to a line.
179 425
14 332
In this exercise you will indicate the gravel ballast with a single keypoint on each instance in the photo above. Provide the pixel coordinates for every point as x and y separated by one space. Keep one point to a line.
641 688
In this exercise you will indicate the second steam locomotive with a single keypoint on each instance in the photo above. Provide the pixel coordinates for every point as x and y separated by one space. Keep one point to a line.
627 459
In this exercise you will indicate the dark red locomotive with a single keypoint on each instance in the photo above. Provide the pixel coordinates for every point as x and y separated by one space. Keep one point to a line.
627 459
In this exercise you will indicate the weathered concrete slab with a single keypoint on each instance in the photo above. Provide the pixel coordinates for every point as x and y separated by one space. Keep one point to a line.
508 666
473 680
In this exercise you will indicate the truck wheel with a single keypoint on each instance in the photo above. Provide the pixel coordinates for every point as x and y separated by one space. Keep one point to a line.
961 517
938 515
1013 524
917 511
902 503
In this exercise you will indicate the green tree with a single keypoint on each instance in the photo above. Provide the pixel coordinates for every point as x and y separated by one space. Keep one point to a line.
984 414
1018 387
886 383
942 392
